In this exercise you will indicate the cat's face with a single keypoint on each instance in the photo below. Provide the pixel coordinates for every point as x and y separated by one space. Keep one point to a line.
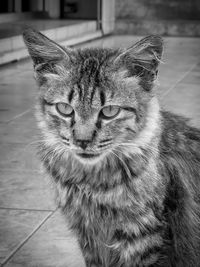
93 102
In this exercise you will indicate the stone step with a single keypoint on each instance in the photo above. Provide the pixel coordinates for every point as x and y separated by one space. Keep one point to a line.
13 48
18 54
56 33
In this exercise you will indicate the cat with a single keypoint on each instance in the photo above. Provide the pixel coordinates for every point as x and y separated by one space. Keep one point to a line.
126 172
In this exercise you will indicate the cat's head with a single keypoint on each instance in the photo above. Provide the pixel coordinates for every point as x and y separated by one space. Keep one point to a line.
93 102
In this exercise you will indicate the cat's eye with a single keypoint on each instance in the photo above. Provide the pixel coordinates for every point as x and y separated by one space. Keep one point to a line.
110 112
64 109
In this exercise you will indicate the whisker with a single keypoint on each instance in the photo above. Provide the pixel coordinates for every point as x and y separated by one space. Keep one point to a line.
124 164
105 140
153 151
104 145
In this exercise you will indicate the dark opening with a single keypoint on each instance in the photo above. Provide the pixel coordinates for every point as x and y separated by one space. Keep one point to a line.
7 6
78 9
26 7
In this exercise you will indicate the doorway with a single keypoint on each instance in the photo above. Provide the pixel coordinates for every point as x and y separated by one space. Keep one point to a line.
78 9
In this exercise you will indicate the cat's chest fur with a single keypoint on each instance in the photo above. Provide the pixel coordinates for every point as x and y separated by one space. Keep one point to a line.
114 219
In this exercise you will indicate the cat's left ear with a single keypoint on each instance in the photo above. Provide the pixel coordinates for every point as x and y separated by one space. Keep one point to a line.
146 53
43 50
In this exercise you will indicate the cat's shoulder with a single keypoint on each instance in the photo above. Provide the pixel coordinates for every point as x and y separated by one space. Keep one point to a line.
180 161
180 146
178 133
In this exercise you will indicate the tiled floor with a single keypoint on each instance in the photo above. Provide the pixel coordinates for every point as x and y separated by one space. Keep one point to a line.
32 231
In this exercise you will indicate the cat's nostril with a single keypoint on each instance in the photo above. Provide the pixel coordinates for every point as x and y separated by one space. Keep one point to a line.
64 138
83 143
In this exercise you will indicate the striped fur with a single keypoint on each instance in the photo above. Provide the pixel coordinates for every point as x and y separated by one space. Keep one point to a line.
129 186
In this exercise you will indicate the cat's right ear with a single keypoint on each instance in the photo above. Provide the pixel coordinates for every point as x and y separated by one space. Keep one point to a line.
146 53
43 50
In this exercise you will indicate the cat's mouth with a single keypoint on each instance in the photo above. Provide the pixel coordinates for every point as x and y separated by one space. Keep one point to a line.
87 155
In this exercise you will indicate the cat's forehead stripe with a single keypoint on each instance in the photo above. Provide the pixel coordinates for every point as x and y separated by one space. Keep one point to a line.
86 89
70 96
102 98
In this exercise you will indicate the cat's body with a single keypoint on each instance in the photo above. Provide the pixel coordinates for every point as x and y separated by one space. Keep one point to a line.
127 178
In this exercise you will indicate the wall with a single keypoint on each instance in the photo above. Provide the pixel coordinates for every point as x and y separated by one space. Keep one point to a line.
169 17
159 9
108 16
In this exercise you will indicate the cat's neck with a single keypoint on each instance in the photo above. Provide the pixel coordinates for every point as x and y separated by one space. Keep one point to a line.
151 130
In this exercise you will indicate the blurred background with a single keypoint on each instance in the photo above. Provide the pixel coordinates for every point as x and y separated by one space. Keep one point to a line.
88 19
32 231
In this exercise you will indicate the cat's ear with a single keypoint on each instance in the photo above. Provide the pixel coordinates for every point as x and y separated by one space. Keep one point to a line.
43 50
146 53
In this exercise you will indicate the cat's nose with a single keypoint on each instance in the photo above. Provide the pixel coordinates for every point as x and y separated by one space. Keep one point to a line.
82 143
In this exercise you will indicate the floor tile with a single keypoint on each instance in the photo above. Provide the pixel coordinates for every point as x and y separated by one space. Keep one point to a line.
25 190
19 157
15 99
9 114
21 130
53 246
193 77
15 226
184 100
15 68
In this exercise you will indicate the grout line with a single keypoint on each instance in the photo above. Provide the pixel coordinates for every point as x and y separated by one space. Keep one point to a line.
26 239
19 115
26 209
179 80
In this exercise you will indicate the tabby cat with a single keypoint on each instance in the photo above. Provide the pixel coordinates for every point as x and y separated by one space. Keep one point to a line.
126 172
